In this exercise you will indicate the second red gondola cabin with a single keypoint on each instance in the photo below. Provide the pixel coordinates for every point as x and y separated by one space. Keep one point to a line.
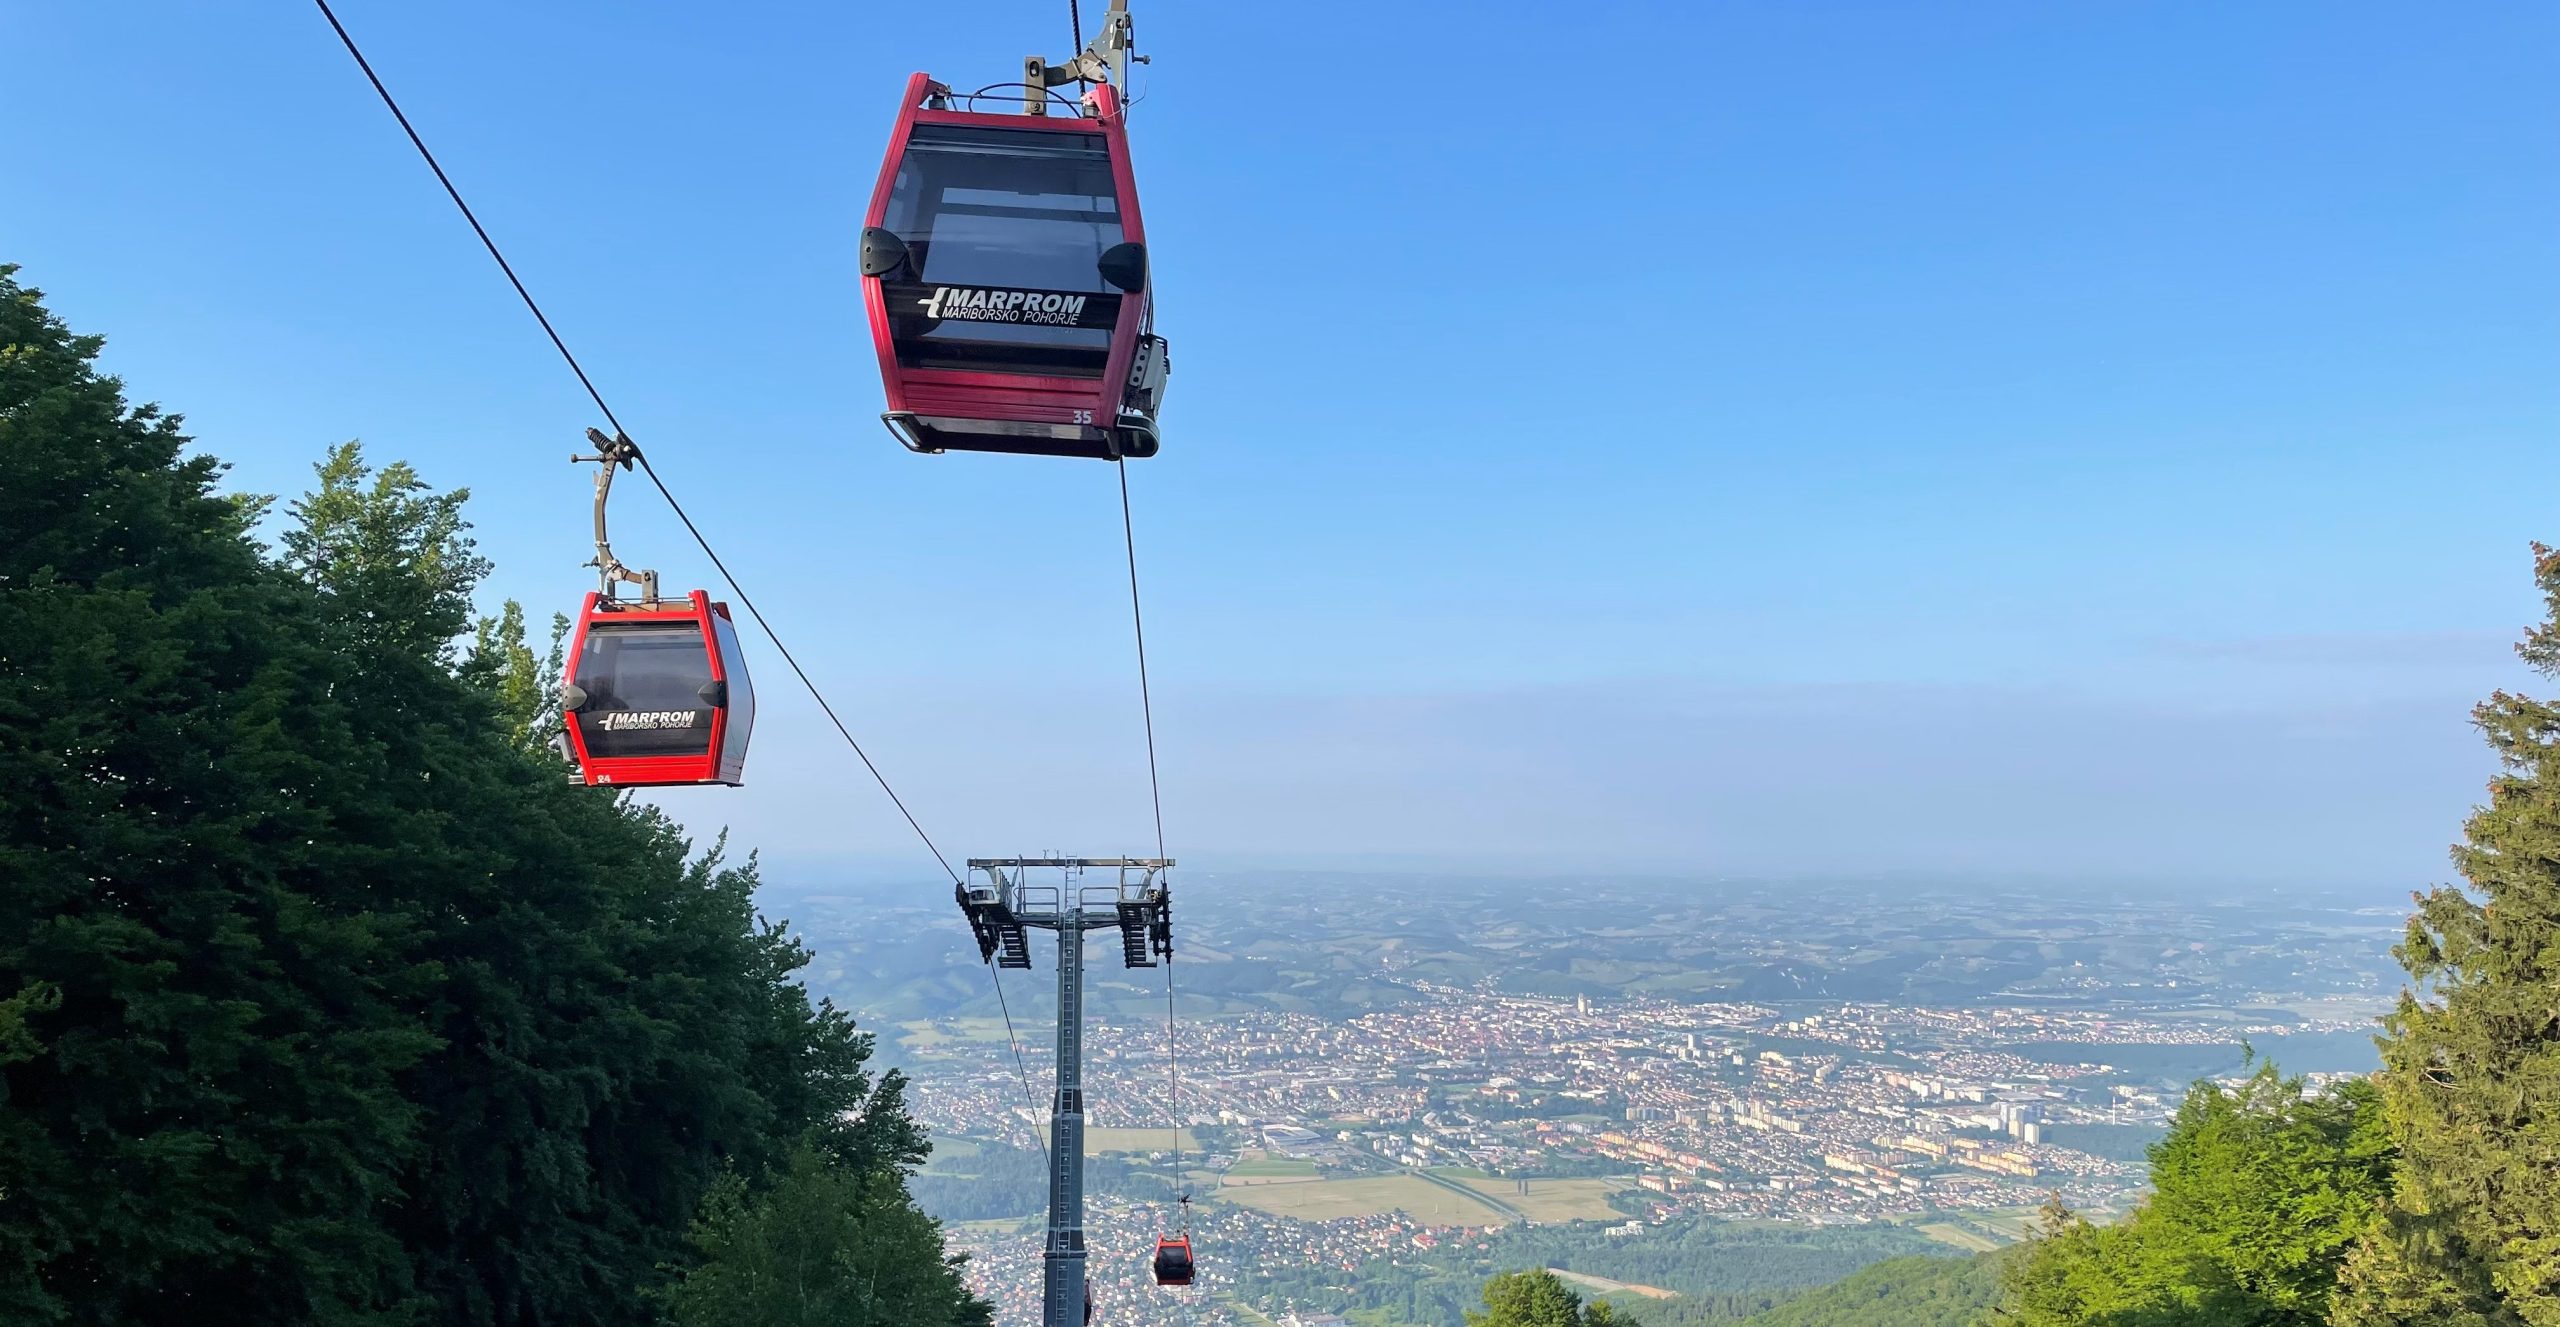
657 693
1004 267
1173 1264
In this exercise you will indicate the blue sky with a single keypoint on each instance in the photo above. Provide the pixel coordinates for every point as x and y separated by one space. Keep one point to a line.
2099 439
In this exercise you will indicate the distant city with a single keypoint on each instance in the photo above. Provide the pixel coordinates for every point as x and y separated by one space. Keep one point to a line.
1391 1074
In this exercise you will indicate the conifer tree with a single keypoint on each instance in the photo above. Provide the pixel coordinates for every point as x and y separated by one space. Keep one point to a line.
2471 1057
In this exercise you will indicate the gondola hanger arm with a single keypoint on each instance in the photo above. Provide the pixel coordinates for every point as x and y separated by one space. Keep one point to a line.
1105 59
613 453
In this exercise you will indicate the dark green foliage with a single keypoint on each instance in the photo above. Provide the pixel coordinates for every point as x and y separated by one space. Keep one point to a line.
1923 1291
2260 1191
208 1011
502 666
390 558
1536 1299
827 1245
1717 1310
324 997
2472 1057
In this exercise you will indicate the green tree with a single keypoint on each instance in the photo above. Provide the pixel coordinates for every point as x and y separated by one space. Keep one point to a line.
525 688
1925 1290
826 1245
617 1026
2471 1057
393 559
1537 1298
204 1021
2259 1192
323 998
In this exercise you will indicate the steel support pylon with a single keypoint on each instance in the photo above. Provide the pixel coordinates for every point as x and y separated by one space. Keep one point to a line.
1062 1261
999 902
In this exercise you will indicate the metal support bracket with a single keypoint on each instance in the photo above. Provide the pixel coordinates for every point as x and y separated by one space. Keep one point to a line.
616 452
993 925
1105 59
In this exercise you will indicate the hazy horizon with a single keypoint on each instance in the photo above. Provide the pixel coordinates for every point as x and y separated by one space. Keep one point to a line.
2094 441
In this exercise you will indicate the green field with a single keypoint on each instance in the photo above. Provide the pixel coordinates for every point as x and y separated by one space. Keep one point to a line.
2015 1223
1325 1200
1948 1233
923 1035
1554 1200
1274 1168
1608 1287
952 1154
1099 1141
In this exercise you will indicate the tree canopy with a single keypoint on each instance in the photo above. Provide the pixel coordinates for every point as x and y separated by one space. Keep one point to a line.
826 1246
1924 1290
325 997
1537 1298
2259 1191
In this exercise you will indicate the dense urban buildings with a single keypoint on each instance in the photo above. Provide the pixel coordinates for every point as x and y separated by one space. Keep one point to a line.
1378 1097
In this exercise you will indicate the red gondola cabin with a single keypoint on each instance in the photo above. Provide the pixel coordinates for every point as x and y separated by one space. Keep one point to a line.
657 694
1173 1261
1005 270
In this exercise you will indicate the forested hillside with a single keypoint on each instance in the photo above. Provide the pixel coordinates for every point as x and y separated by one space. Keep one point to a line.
1926 1291
324 997
1921 1291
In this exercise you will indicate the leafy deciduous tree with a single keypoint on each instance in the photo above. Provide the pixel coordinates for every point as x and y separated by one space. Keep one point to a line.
204 1021
1537 1298
827 1245
2260 1190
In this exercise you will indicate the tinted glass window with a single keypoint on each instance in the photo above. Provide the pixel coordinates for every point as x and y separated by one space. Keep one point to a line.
742 693
644 687
1005 209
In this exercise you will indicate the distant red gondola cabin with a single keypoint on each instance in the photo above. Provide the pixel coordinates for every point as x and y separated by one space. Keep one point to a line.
1173 1265
657 694
1005 270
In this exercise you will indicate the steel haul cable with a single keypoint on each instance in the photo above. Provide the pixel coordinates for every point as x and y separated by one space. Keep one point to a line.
1155 785
392 104
1155 797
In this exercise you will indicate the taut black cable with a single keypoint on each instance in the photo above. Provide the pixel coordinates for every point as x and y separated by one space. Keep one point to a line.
1138 619
1155 797
535 308
467 215
1021 1073
390 103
